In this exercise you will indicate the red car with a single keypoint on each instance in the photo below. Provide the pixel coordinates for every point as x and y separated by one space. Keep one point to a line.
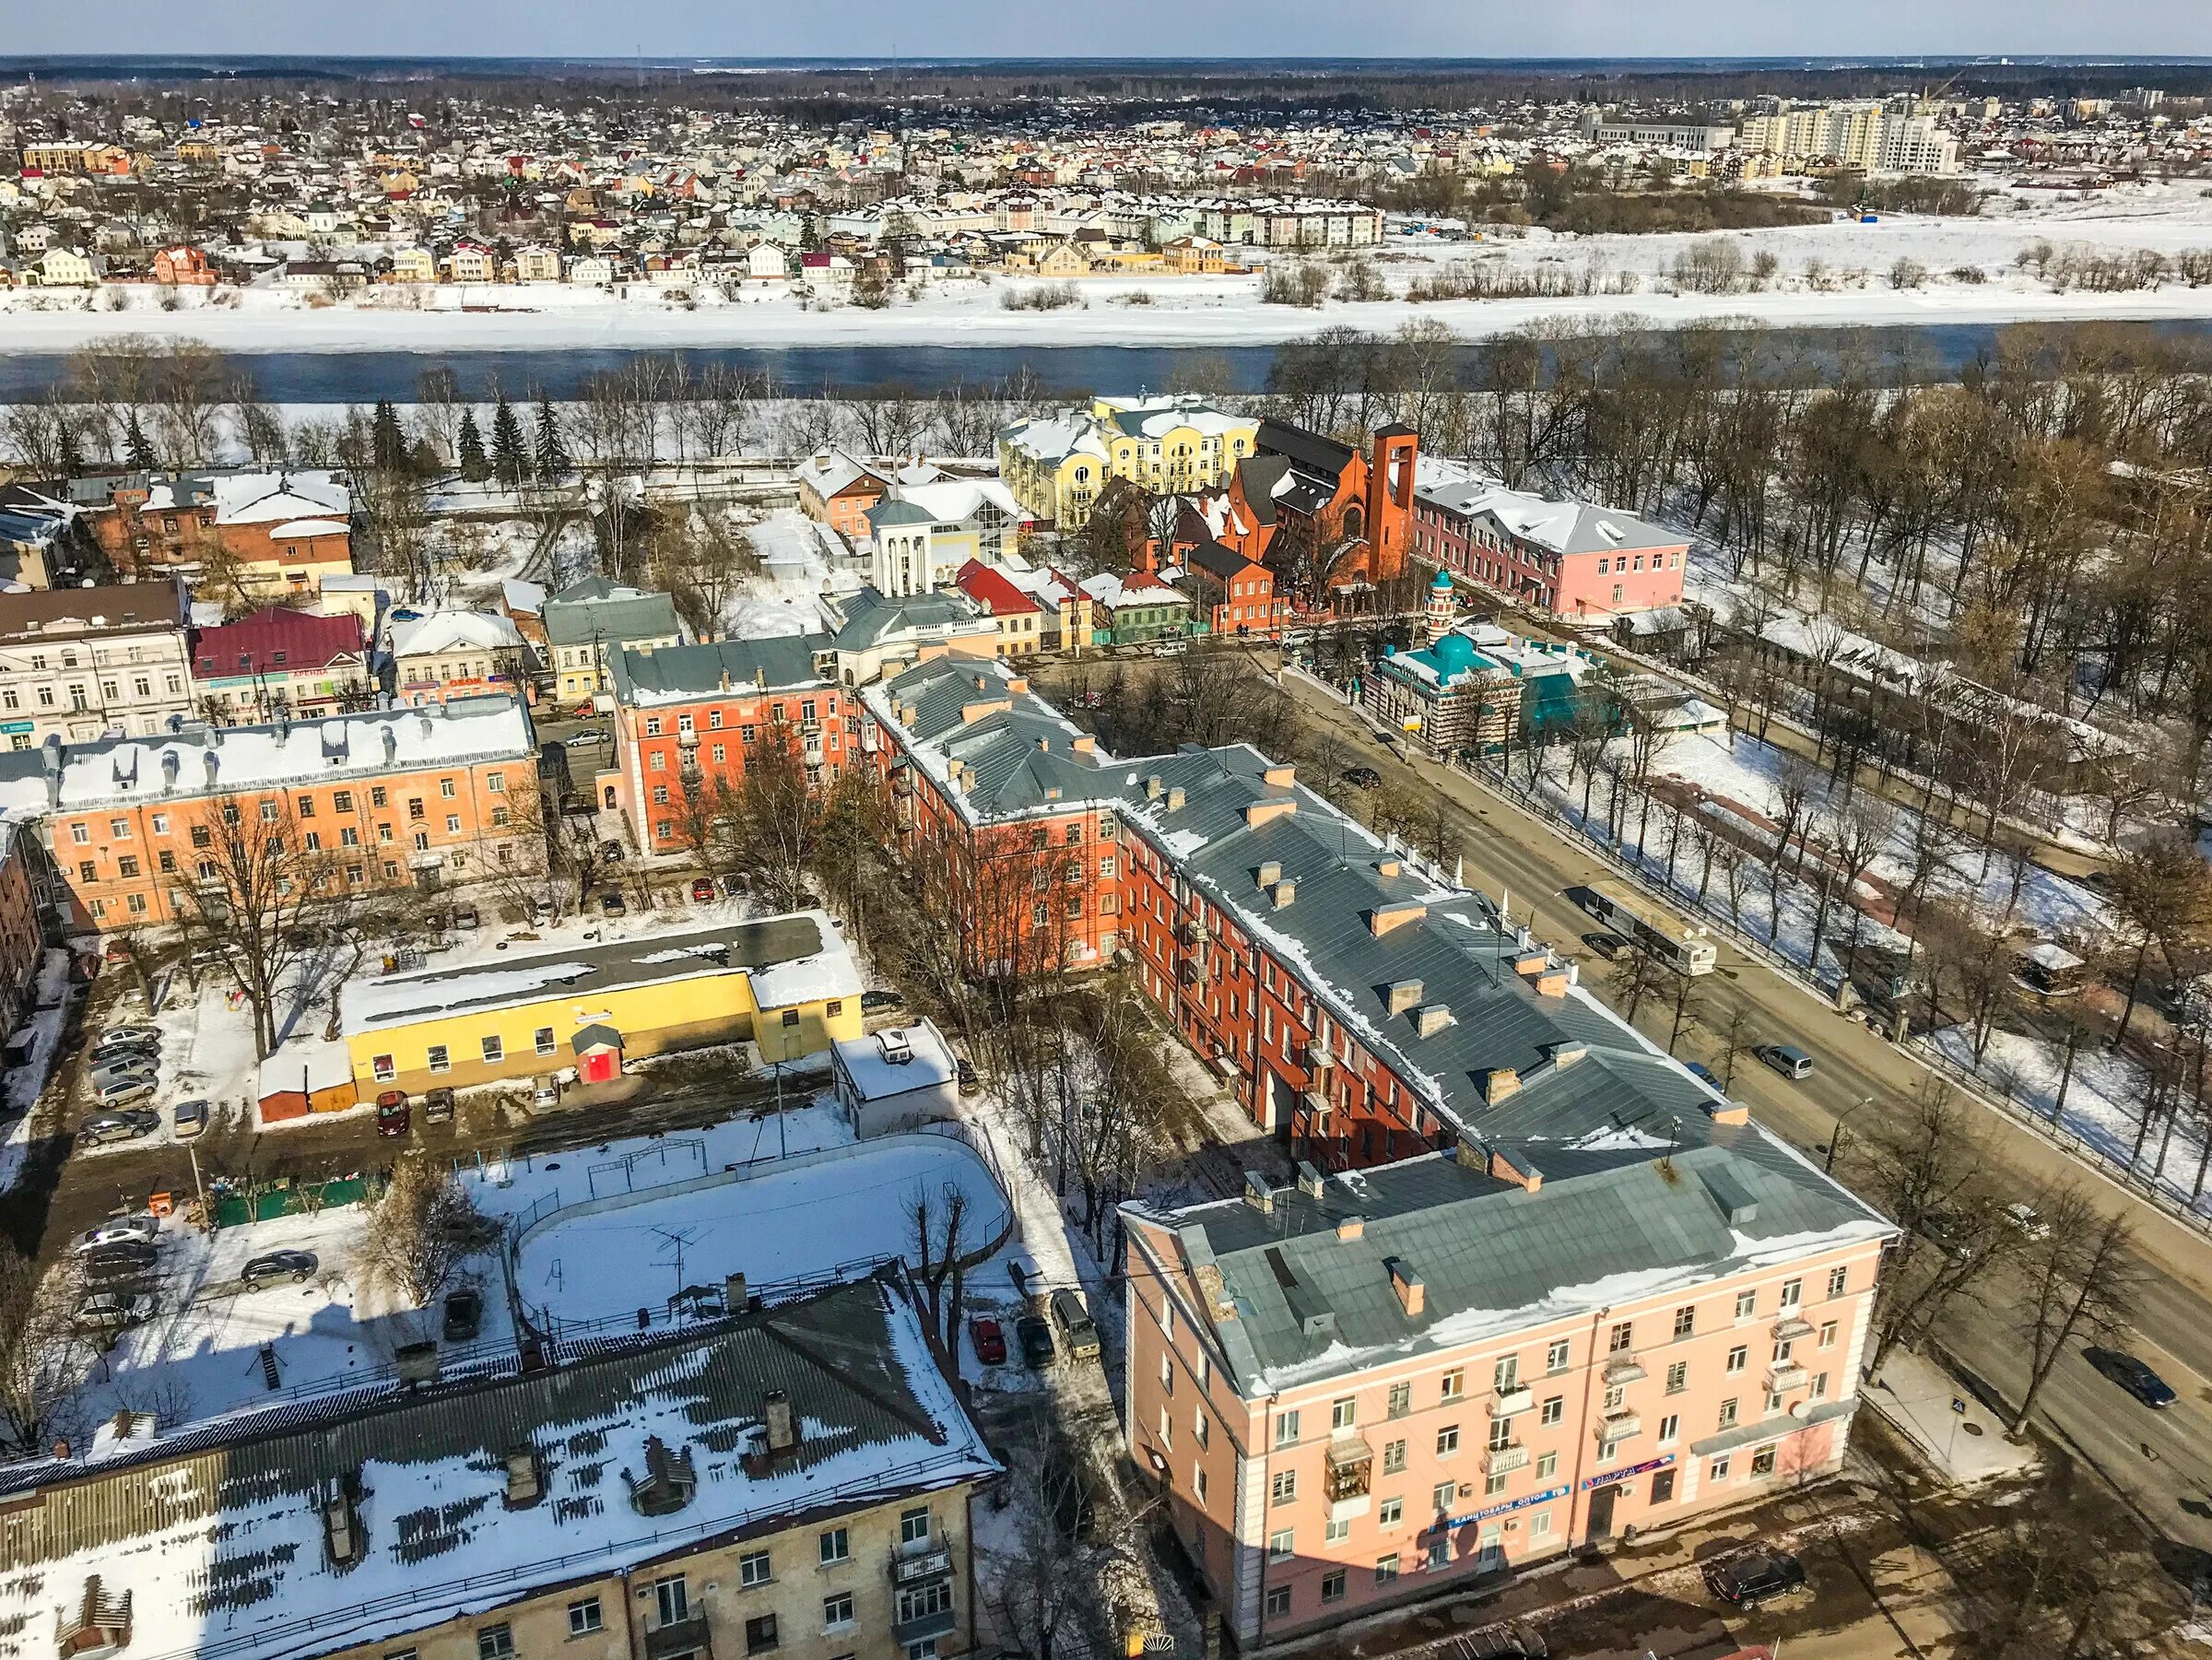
392 1114
990 1342
702 890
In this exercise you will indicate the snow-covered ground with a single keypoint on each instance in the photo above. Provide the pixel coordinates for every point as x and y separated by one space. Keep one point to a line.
2105 1100
1828 274
801 557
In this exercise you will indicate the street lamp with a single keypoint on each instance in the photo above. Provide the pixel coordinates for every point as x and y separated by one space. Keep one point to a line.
1835 1137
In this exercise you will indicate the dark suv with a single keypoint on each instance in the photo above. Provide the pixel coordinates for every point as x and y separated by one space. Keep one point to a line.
1755 1577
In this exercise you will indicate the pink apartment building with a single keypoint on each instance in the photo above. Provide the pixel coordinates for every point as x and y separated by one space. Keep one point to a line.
1369 1387
1562 557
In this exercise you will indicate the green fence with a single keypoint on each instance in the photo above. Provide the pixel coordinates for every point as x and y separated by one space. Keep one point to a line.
267 1204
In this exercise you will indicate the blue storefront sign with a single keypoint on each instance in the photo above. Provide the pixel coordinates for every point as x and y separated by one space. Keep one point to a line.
1546 1497
12 727
1635 1469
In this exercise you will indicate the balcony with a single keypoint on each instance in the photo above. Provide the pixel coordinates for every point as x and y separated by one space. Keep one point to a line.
1318 1057
687 739
1621 1424
923 1626
1507 1402
1625 1369
1789 1329
1784 1376
1500 1460
1350 1462
684 1636
910 1566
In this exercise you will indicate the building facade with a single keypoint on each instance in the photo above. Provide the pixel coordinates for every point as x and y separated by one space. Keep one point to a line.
280 661
245 535
1566 557
1057 465
590 623
449 654
79 662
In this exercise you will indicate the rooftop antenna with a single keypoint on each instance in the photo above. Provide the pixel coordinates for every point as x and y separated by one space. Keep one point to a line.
676 1239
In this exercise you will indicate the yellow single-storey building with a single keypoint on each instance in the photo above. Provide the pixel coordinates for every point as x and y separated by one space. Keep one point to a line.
787 983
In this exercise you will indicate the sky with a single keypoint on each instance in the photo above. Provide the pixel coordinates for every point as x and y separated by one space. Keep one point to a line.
1126 28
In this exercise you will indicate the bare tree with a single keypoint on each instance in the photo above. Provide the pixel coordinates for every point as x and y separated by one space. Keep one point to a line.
934 1230
43 1362
420 1232
773 819
1036 1591
2082 1281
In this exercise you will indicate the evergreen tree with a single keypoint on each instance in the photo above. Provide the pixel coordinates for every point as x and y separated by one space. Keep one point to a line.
508 459
552 454
476 467
388 445
135 449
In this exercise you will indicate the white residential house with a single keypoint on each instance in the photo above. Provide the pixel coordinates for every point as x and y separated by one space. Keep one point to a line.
766 261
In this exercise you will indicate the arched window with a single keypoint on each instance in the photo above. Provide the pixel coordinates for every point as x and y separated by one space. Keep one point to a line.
1355 521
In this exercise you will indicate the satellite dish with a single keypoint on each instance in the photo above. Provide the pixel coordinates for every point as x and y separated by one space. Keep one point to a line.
1798 1409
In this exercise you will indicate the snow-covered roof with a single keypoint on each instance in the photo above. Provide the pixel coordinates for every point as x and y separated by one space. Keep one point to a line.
217 1535
274 498
876 1076
443 631
1558 527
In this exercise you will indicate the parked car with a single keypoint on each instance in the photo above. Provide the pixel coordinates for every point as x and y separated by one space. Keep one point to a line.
115 1230
702 890
1507 1640
391 1115
877 1002
298 1267
119 1262
189 1119
134 1125
1785 1058
107 1052
1363 778
2133 1375
545 1092
611 852
963 1074
1755 1577
1027 1278
126 1090
111 1072
732 887
463 1314
610 904
989 1340
132 1034
541 913
115 1308
1036 1340
1701 1072
2023 1217
438 1106
1075 1323
584 740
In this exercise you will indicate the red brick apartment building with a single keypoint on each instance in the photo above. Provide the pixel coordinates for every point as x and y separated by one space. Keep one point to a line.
1535 1283
428 797
688 718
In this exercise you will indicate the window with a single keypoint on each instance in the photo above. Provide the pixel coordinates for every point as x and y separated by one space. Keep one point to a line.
1820 1390
1393 1457
1677 1377
495 1643
1737 1358
1762 1462
1332 1585
1669 1427
381 1065
496 783
202 836
760 1634
837 1612
836 1547
584 1617
1615 1395
80 833
1686 1320
542 1040
1447 1441
1547 1465
1343 1414
1455 1385
440 1060
1836 1279
1334 1532
1278 1601
913 1526
1285 1430
1727 1412
1442 1496
1281 1545
1501 1433
1720 1468
1828 1334
452 824
1505 1377
342 802
494 1051
1390 1513
1401 1399
1793 1292
1285 1487
377 796
754 1569
126 866
1554 1408
1623 1335
672 1599
1773 1402
1387 1568
1746 1302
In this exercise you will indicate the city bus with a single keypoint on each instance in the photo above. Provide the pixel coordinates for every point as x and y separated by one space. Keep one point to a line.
1682 947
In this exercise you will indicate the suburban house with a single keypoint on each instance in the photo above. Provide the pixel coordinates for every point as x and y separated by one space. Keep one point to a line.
785 983
791 1476
280 661
444 654
1134 608
590 623
689 719
1566 557
838 489
80 663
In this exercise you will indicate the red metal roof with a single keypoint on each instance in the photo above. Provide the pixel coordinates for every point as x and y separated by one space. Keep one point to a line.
251 644
992 591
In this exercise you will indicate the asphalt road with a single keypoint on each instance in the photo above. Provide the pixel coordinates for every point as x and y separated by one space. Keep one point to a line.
1857 1077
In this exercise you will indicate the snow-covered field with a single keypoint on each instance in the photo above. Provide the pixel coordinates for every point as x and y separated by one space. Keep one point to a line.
802 557
1829 274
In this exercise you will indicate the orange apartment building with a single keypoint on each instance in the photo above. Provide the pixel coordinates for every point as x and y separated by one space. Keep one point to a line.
1537 1284
430 798
285 531
688 717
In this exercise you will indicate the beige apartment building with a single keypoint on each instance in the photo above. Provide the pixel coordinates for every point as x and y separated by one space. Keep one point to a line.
82 663
792 1480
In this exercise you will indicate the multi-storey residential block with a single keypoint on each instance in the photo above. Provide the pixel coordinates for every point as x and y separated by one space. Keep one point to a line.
440 795
1592 1292
1567 558
1057 465
280 661
590 623
78 663
689 720
792 1477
